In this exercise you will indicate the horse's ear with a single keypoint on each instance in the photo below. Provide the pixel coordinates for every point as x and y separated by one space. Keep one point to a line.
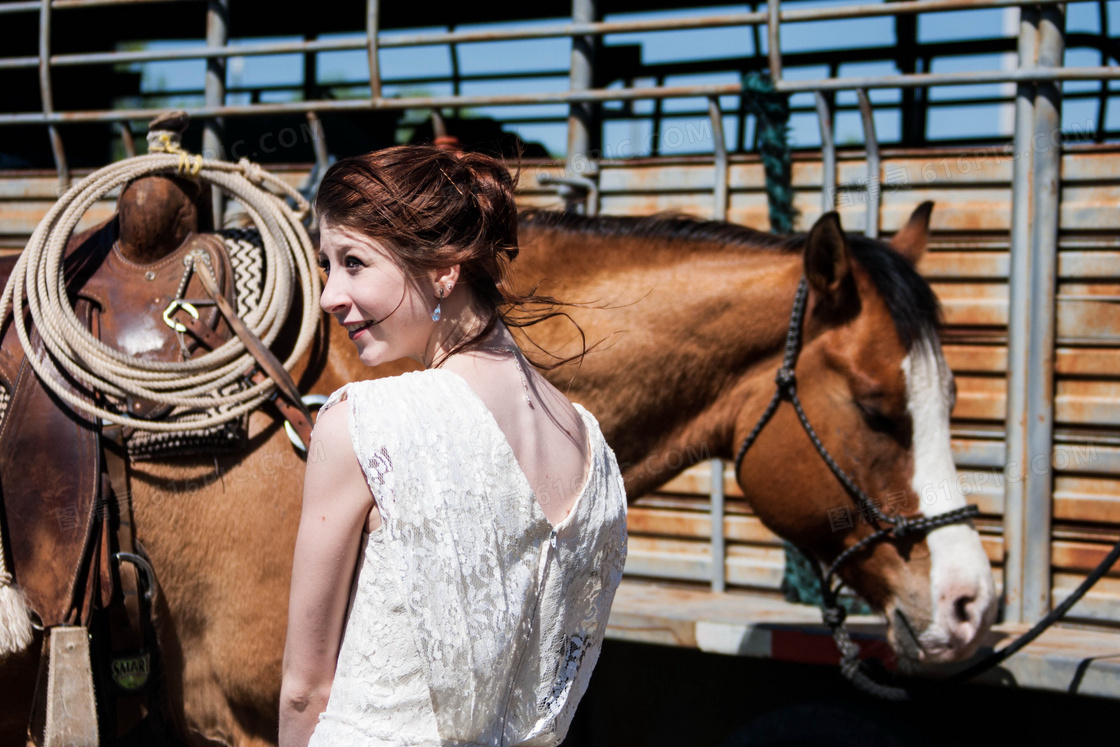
911 241
828 263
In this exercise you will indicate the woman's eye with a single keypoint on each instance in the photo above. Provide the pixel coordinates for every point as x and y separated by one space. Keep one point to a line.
325 266
353 262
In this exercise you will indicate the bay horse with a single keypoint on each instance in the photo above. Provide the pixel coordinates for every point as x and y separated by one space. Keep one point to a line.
690 318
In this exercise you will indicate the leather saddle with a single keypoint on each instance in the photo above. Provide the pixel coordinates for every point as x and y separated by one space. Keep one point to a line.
51 458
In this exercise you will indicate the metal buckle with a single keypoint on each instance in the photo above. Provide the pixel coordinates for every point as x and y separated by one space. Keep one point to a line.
174 306
145 569
311 400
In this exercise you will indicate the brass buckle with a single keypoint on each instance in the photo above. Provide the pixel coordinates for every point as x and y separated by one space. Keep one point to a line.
174 306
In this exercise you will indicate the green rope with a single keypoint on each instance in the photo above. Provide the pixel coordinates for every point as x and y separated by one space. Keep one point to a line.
800 584
771 111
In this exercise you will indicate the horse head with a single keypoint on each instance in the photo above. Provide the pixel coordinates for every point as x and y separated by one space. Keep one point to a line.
875 387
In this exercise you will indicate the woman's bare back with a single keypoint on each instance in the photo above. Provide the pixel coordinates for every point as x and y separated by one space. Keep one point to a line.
546 433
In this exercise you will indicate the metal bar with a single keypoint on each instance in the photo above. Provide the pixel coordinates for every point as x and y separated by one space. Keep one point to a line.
35 6
67 4
828 153
874 174
719 190
127 140
569 186
13 8
948 79
719 543
774 39
1038 500
615 27
1102 102
618 114
1019 301
563 97
719 212
310 77
875 53
537 32
319 142
456 71
581 78
373 20
217 35
46 95
867 54
655 123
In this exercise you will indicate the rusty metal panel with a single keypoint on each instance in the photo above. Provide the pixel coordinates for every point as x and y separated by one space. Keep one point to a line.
686 560
697 525
960 265
1088 320
684 177
17 186
1087 499
1087 362
697 479
1100 604
973 304
968 452
981 398
1087 402
19 218
699 205
976 358
1089 207
1088 264
1071 555
749 210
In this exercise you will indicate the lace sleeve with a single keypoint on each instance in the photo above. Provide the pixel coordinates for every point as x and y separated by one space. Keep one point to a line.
339 395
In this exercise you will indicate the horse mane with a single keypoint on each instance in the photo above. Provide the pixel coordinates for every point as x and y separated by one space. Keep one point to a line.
660 227
909 299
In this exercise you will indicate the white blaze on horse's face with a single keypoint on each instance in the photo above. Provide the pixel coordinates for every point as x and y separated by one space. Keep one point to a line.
963 600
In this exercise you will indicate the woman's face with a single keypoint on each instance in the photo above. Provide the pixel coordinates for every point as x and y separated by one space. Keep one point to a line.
387 312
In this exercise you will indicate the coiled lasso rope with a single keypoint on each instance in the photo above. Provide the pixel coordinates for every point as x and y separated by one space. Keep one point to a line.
193 384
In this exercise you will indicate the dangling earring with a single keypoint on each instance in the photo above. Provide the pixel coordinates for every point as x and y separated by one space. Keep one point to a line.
436 314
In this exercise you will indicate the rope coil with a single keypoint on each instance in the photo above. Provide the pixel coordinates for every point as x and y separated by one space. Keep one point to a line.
38 279
193 384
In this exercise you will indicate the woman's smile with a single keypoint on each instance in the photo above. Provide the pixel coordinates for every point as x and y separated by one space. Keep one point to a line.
357 328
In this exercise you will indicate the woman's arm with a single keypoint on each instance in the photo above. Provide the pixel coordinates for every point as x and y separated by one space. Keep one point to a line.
336 505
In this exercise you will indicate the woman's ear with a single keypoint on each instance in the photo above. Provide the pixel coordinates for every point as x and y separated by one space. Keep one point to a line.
446 278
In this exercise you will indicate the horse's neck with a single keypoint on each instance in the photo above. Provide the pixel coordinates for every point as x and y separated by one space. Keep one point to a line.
701 336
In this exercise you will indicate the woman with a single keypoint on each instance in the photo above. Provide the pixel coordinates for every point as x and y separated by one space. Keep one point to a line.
463 535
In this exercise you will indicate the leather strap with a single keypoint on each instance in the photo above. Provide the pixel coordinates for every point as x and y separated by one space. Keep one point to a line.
287 400
71 719
130 658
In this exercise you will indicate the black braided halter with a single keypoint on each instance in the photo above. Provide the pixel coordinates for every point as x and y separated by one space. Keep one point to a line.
898 527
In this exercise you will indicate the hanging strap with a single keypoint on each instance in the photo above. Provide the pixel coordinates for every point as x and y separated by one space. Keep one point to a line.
71 708
286 399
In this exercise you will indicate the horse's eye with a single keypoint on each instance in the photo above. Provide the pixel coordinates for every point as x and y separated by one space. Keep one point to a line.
878 420
952 393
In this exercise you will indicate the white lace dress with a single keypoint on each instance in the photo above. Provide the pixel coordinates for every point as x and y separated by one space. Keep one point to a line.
474 621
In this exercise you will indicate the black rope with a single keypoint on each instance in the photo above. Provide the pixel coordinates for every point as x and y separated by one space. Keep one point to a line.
785 375
898 527
852 666
1055 614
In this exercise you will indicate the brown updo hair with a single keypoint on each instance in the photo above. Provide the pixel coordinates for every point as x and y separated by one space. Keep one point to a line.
435 208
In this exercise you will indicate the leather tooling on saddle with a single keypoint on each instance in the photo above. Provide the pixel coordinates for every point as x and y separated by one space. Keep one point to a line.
125 341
